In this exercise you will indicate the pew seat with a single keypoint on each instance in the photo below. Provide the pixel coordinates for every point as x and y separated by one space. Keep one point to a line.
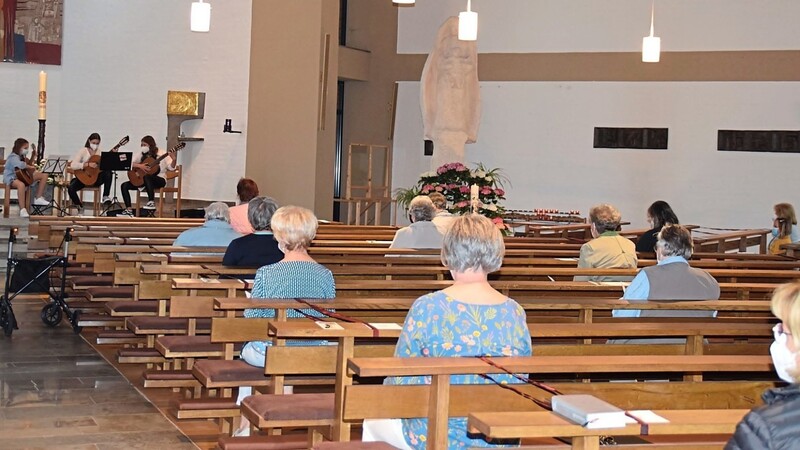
84 282
169 378
164 325
108 293
176 346
132 308
217 373
282 442
304 410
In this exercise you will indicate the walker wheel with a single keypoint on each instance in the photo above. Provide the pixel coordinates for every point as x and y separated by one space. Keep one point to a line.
51 315
7 320
76 317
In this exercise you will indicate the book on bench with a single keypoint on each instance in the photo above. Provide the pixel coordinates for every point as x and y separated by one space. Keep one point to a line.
589 411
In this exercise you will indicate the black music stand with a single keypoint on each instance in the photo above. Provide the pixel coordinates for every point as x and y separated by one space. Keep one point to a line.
115 162
53 167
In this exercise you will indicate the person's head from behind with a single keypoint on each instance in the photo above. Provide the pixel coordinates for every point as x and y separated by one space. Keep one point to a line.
674 240
93 141
21 147
784 219
421 209
260 211
246 190
604 217
294 227
660 214
149 144
438 200
473 244
217 211
786 307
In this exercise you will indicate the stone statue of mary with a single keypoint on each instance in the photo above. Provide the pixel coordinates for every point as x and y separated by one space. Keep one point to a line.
450 95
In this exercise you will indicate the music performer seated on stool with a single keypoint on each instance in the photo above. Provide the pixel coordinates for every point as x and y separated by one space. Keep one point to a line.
151 182
18 159
80 161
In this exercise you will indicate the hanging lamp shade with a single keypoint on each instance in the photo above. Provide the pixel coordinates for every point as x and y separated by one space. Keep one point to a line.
468 24
201 17
651 45
651 49
403 2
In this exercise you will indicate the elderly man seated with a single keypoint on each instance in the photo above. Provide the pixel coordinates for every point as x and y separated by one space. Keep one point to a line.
422 233
608 250
672 278
259 248
442 218
215 232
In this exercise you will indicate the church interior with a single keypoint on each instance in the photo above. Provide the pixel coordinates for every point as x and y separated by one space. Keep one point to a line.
357 224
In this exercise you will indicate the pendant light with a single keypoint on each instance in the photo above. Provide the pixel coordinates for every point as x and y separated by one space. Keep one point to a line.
468 24
201 17
403 2
651 45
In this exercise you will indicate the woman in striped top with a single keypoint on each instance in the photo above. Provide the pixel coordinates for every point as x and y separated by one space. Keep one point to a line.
297 275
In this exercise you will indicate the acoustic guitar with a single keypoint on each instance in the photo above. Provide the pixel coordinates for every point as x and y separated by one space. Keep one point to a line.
26 175
136 175
88 176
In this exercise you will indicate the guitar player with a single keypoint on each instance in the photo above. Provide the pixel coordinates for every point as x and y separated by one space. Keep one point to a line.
151 182
20 158
80 162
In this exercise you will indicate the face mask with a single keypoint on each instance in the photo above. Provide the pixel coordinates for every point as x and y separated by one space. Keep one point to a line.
774 232
26 151
94 146
145 148
784 360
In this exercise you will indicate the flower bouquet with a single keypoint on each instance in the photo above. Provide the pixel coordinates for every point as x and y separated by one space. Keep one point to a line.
455 181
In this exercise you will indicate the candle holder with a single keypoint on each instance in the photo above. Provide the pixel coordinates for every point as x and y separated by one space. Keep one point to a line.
40 144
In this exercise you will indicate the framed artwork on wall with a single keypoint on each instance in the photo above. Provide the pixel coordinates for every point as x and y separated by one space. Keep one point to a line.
31 31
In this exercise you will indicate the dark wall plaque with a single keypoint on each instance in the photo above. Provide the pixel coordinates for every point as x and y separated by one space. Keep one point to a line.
774 141
636 138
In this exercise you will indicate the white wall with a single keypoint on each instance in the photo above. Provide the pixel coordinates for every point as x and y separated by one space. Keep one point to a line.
542 135
523 26
120 58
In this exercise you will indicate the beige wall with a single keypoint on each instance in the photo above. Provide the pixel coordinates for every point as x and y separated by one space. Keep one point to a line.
288 153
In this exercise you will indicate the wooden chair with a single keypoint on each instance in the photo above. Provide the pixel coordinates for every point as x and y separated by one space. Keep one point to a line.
96 194
7 192
177 175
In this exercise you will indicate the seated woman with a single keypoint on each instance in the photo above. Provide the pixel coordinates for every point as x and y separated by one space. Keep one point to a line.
608 250
80 161
21 158
151 182
774 425
784 230
246 190
469 318
297 275
658 215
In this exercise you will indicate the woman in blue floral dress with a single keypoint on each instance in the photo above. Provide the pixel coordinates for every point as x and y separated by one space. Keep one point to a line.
467 319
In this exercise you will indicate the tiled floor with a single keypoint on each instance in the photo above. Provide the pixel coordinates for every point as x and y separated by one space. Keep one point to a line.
56 392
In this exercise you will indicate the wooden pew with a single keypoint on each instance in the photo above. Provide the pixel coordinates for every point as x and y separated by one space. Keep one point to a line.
440 369
514 425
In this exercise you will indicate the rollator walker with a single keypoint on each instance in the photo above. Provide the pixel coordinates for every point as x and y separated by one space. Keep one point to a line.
32 275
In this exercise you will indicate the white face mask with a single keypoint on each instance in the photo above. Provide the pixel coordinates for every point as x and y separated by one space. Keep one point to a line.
94 146
784 360
145 148
26 151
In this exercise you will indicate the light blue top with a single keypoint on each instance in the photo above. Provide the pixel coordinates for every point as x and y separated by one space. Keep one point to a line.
13 162
291 279
213 233
795 234
639 288
438 325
